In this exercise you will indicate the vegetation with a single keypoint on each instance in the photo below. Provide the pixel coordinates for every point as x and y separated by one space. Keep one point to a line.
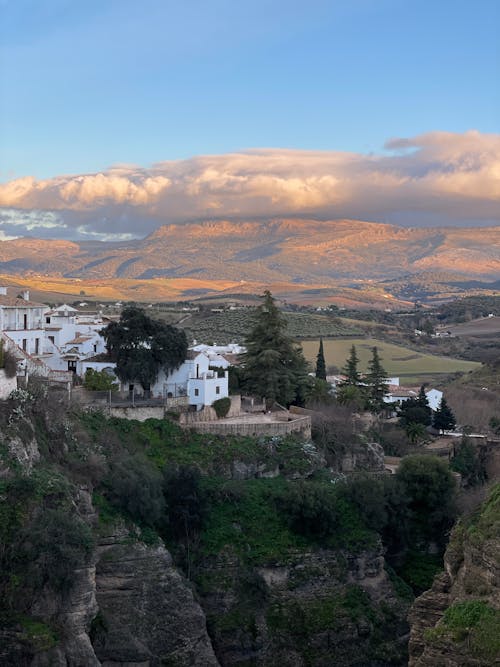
141 346
412 365
222 406
375 380
473 623
274 368
99 381
320 362
444 419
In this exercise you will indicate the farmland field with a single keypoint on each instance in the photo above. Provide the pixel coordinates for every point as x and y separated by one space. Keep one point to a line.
234 325
411 366
484 326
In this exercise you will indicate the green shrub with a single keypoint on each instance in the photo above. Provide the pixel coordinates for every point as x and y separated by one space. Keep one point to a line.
52 547
134 486
222 406
99 381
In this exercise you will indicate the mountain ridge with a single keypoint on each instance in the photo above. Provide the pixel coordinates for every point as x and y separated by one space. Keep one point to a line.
297 251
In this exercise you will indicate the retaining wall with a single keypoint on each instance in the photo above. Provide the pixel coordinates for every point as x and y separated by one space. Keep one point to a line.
302 426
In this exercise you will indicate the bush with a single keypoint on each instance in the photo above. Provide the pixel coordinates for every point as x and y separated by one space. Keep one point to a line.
134 486
222 406
311 509
52 548
99 381
9 364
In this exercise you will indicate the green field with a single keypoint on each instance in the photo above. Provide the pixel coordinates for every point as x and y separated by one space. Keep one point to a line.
411 366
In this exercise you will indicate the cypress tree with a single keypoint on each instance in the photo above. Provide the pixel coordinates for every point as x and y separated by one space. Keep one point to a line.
320 362
350 370
376 381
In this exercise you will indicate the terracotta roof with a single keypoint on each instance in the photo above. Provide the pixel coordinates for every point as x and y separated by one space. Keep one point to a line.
15 302
79 339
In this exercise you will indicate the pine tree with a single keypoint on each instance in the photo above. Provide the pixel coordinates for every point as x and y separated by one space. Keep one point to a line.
320 362
273 366
376 382
444 419
350 370
423 403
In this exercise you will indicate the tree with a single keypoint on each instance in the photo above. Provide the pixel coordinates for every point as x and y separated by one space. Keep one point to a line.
429 488
320 362
444 419
141 346
376 382
274 367
424 404
99 381
350 370
415 411
415 431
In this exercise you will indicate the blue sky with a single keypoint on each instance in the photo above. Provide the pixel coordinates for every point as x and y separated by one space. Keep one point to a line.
86 84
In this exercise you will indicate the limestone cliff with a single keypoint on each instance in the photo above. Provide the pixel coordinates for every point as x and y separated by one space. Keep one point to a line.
311 608
457 622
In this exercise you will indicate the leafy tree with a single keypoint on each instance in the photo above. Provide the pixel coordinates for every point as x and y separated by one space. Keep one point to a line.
350 370
133 485
274 367
429 488
320 362
312 509
98 381
444 419
467 462
376 381
141 346
350 395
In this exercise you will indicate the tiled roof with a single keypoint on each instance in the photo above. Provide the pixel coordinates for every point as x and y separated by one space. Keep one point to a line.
15 302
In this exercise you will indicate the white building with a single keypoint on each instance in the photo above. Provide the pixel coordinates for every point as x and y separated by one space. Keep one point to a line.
193 379
21 320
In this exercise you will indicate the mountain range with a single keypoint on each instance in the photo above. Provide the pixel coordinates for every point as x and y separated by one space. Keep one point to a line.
303 252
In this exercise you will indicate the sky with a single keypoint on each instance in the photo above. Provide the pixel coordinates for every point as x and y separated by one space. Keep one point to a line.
205 91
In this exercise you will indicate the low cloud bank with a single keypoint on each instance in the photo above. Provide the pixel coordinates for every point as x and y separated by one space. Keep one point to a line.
438 178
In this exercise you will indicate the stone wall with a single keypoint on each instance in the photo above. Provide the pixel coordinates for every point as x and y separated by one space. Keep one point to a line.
302 426
208 413
141 413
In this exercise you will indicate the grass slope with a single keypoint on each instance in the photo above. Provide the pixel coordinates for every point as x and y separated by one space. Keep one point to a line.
397 360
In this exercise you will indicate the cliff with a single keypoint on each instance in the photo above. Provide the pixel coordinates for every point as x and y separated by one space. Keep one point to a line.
456 623
138 543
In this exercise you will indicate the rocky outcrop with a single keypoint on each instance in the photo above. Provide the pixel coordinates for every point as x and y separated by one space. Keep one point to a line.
452 623
147 612
314 608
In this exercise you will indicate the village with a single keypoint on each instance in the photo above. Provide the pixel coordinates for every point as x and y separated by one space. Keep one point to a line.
61 346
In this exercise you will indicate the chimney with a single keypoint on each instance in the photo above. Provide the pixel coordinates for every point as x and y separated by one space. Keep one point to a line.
26 294
3 291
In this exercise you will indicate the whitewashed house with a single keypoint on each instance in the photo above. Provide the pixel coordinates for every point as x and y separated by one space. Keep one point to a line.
193 379
21 320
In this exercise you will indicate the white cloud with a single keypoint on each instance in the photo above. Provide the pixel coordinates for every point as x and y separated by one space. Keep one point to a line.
443 177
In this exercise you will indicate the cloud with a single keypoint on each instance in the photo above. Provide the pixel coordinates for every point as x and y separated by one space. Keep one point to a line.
435 178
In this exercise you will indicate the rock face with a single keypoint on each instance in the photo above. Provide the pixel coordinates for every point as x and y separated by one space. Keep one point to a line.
316 608
471 581
147 612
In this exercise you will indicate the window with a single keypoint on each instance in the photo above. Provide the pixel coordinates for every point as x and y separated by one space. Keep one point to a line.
196 392
52 339
72 366
95 347
217 389
25 344
37 346
47 320
25 321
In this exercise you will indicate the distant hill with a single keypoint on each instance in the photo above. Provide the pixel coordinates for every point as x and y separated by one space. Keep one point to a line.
322 254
